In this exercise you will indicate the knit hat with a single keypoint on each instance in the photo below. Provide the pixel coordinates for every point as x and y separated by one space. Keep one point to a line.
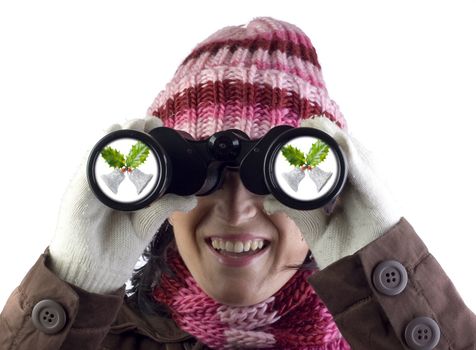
250 77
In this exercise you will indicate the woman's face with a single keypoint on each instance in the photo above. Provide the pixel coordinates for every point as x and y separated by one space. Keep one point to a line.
226 215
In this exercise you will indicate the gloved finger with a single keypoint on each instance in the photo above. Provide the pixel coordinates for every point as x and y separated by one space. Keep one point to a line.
111 128
134 124
331 128
322 123
369 187
152 122
329 208
357 162
361 173
310 222
365 190
148 220
79 201
140 124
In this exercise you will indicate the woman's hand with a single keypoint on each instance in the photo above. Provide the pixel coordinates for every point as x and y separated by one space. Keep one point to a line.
96 247
364 210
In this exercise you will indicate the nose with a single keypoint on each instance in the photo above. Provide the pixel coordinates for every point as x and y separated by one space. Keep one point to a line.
234 203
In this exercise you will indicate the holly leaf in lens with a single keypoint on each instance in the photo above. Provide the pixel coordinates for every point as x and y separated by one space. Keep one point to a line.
317 153
293 155
137 155
113 157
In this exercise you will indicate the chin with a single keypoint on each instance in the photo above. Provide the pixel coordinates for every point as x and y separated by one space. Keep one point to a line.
237 302
238 291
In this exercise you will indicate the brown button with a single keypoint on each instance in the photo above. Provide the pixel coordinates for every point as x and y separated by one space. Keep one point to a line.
48 316
422 333
390 277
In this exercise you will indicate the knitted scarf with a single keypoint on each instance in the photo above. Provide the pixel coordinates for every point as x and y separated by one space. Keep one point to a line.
293 318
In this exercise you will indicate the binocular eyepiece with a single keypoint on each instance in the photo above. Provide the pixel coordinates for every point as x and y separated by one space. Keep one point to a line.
304 168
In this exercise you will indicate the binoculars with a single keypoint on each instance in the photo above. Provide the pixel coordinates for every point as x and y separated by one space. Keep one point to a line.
304 168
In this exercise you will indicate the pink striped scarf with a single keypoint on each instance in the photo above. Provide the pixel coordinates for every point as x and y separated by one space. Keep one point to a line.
293 318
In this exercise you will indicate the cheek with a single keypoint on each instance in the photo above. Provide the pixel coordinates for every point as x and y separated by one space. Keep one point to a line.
186 222
286 226
183 231
185 225
291 247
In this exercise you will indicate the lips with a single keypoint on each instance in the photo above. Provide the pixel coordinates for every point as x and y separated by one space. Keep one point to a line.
237 237
237 259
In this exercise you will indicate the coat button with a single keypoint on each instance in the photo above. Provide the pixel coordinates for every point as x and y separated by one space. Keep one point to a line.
390 277
422 333
48 316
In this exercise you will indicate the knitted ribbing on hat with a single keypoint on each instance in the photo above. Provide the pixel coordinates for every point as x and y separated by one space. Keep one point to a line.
293 318
249 77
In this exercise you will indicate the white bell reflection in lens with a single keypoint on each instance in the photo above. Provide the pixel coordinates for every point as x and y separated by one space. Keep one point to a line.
306 168
126 170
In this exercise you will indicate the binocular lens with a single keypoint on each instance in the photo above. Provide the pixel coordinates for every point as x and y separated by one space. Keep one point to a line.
126 170
305 168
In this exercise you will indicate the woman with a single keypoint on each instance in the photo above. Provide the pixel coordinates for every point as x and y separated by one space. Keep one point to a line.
233 269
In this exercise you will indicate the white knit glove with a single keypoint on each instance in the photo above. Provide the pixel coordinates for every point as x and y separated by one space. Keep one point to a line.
96 247
364 211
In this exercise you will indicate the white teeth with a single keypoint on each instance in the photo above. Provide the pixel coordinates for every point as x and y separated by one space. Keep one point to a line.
229 246
237 246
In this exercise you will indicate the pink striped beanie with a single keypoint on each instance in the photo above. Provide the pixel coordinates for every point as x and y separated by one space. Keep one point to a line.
250 77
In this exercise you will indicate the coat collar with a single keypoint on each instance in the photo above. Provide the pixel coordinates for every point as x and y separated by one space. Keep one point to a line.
158 328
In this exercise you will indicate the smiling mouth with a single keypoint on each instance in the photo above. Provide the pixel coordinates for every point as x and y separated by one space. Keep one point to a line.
250 252
237 260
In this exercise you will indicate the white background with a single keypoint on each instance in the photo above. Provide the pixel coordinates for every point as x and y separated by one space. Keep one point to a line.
403 74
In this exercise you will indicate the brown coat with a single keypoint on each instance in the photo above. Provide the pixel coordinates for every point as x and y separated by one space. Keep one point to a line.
367 317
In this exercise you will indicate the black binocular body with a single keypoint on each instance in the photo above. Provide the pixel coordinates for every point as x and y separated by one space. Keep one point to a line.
166 160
